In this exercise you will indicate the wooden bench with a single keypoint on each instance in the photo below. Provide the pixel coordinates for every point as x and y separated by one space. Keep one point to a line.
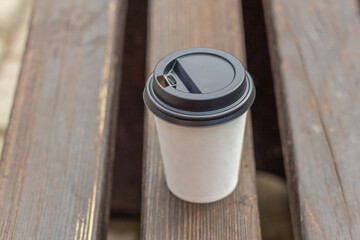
315 53
56 165
175 25
56 168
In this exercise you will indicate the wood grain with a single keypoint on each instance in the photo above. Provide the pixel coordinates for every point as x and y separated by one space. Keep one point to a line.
175 25
56 165
315 55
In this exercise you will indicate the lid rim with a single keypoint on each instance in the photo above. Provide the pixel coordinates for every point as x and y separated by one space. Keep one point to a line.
204 120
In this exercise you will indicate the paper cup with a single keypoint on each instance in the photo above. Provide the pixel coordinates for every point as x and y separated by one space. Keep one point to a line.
199 98
201 164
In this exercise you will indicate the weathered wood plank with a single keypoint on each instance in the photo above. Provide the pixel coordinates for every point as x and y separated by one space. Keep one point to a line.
316 62
175 25
56 165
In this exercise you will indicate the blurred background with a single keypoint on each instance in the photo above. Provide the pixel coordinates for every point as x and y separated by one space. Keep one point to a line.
15 17
14 26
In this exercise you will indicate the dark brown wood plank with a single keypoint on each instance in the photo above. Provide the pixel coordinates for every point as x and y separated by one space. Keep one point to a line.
315 54
175 25
56 165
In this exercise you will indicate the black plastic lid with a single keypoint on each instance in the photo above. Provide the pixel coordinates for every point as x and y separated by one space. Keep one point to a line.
199 87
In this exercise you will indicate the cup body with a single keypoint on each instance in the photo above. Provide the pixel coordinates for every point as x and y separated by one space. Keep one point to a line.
201 163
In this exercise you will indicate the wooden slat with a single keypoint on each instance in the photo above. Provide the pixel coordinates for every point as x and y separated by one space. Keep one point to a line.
175 25
56 165
315 54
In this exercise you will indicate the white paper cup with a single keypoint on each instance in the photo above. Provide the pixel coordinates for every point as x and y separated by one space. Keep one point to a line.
201 164
199 98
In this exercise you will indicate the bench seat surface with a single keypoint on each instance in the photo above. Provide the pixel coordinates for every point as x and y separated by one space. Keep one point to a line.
56 164
315 57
